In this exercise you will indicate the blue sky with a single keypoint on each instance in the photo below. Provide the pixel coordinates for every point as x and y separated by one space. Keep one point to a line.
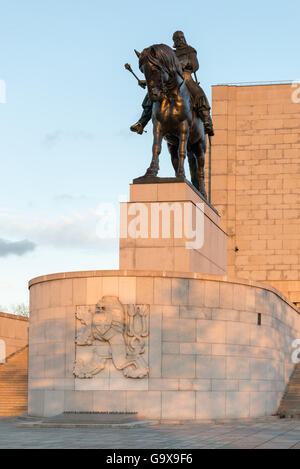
65 143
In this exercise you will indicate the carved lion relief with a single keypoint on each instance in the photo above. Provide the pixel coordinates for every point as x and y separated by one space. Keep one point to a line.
116 332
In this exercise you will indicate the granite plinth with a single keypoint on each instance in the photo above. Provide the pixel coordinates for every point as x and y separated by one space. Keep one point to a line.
198 246
209 356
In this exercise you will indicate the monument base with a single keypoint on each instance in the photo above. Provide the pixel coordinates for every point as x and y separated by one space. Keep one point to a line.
162 338
169 346
168 225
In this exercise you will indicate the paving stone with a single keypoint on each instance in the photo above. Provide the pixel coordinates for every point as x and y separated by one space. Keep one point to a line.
259 433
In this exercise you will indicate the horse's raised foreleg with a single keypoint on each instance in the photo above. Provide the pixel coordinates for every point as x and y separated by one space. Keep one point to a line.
182 149
156 149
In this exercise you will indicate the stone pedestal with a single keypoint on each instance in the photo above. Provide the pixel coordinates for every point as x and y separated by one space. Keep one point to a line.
202 352
164 336
169 226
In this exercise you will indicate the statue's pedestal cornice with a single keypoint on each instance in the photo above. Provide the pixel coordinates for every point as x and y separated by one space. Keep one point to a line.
168 225
170 180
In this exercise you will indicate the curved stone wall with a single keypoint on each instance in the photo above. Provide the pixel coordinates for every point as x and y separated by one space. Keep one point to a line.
215 347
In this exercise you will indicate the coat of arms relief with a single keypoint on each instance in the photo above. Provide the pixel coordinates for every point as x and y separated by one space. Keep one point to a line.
112 331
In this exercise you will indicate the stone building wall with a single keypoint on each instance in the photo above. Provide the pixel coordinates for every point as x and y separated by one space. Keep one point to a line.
256 182
13 332
215 347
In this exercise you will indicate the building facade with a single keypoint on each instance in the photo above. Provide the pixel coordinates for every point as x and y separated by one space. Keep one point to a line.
13 334
256 181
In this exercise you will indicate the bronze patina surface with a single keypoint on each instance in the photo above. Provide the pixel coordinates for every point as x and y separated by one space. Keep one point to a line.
178 106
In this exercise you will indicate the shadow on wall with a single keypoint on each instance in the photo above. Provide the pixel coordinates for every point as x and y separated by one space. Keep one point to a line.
52 357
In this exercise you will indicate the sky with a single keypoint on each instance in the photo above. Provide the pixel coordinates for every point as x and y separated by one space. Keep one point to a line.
65 144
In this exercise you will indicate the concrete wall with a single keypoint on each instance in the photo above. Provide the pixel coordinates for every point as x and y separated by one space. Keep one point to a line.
208 356
255 182
13 331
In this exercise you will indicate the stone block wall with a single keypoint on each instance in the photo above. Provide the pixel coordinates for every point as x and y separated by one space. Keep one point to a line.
13 332
218 348
255 182
153 242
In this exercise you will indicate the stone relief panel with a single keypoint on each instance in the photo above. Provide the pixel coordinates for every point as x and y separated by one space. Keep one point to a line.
111 331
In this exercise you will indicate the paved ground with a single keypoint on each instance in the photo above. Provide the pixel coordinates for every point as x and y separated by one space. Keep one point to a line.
284 433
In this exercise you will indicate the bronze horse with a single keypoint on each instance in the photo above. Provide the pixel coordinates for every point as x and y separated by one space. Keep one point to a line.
173 115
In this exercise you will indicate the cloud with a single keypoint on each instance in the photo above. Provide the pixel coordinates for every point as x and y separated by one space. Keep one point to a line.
76 230
19 248
70 197
52 139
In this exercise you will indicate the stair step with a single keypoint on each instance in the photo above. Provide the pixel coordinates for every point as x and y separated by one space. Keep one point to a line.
290 403
10 384
12 401
14 384
9 392
14 412
12 407
15 375
294 402
10 388
12 391
3 392
13 398
13 404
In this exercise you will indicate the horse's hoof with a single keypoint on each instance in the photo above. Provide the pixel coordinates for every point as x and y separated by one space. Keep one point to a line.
180 174
151 172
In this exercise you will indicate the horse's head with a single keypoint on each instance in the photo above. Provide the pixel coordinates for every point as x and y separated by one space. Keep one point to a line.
159 64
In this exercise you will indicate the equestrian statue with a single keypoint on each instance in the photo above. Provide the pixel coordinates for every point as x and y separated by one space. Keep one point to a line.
178 107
